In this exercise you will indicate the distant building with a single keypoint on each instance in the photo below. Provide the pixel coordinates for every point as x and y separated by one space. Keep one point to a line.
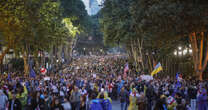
92 6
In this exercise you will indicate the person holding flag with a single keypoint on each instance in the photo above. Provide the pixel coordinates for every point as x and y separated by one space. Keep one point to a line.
178 83
157 69
126 69
202 98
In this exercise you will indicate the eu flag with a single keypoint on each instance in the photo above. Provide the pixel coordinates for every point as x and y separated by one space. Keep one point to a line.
32 73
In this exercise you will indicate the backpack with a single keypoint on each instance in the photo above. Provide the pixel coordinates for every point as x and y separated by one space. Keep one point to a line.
106 104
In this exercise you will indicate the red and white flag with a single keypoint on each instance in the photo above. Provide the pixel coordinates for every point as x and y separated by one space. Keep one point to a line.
43 71
126 69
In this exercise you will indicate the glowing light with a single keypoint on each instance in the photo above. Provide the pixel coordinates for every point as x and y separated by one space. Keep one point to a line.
179 48
175 53
185 51
180 53
190 45
190 50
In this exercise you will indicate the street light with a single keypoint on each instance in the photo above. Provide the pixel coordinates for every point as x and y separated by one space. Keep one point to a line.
185 51
190 50
179 48
84 50
180 53
175 53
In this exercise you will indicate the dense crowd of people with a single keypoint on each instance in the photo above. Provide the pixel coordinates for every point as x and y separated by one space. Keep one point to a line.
92 84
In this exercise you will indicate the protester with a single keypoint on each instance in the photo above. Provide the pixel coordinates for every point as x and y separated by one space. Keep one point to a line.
56 105
14 103
133 100
75 99
3 100
66 104
123 98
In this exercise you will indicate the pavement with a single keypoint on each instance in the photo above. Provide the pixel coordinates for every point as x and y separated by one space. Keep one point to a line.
116 105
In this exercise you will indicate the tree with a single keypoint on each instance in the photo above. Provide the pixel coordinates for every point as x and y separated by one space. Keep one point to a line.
75 10
121 25
37 22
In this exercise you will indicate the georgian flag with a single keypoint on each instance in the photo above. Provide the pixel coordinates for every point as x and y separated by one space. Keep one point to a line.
43 71
170 100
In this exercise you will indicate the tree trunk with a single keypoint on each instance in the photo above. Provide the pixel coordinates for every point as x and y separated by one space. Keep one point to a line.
140 45
37 64
2 57
150 63
200 57
26 65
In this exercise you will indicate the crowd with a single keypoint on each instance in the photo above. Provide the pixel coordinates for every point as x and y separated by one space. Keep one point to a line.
87 86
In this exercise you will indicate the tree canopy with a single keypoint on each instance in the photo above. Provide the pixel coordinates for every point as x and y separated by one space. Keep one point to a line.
29 26
158 26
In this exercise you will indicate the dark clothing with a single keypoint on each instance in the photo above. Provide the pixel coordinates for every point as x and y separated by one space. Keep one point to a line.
181 107
57 107
192 92
37 103
160 104
15 104
123 96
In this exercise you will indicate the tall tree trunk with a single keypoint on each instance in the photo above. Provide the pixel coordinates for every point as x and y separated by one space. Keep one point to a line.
140 46
134 53
2 57
26 65
150 63
200 55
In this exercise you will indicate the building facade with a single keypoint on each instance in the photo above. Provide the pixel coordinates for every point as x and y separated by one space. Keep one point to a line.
92 6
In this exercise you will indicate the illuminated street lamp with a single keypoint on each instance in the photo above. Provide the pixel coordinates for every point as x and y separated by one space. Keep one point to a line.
190 50
182 51
179 48
84 50
185 51
175 53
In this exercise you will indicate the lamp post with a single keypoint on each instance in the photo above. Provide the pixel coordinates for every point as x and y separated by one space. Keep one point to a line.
101 51
84 50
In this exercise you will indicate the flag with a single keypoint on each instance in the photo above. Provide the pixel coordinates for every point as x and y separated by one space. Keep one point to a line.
157 69
125 70
9 77
43 71
179 77
178 83
32 73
